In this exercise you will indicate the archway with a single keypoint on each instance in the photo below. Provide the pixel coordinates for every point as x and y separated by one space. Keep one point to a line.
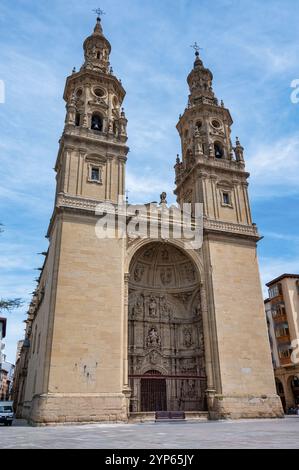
293 384
280 392
165 331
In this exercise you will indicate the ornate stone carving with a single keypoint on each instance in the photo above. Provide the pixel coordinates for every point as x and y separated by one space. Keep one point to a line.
138 274
164 307
154 358
188 341
152 308
138 309
153 339
190 272
189 365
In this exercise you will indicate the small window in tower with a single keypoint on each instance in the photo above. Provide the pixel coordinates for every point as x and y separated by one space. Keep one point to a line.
78 119
99 92
95 174
216 124
219 153
98 55
226 199
97 123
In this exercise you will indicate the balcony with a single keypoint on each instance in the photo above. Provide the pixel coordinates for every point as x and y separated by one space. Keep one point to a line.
284 340
280 318
285 361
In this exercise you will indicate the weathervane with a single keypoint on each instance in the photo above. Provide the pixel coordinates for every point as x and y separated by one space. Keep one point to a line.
196 48
99 12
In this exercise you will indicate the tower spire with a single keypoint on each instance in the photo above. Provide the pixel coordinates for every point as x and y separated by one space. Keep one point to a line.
97 48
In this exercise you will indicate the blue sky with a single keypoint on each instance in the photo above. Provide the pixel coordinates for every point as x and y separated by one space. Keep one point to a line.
252 48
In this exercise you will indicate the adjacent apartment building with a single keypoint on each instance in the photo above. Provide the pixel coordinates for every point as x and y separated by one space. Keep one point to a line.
282 310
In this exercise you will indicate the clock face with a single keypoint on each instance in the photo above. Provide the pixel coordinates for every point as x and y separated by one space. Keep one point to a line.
216 124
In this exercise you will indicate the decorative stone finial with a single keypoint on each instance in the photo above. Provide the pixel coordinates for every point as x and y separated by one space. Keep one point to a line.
163 199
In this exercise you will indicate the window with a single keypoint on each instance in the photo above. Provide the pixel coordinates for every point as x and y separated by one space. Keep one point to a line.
219 153
275 291
78 119
226 199
97 123
285 353
282 330
95 174
216 124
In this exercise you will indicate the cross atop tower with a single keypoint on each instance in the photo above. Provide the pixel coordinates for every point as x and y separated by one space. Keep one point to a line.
99 12
196 48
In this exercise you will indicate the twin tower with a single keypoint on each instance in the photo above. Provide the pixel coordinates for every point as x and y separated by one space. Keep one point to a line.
119 329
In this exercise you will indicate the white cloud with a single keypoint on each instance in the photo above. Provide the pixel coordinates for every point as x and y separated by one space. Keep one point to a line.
143 187
271 268
274 168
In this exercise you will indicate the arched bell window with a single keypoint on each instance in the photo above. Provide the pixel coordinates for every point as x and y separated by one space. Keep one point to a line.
115 128
219 152
97 123
78 119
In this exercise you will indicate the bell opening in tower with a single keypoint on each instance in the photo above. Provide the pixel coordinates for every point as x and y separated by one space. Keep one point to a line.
97 123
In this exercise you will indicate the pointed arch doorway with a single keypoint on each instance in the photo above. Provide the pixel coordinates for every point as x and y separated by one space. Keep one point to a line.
166 342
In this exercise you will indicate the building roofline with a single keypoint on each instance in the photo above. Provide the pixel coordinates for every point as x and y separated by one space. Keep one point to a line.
3 326
280 278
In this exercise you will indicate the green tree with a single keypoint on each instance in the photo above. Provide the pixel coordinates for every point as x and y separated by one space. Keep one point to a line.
7 305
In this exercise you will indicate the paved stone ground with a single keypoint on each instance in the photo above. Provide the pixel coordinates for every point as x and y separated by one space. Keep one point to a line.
267 434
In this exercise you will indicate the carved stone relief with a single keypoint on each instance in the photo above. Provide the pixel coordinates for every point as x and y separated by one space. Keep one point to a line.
165 324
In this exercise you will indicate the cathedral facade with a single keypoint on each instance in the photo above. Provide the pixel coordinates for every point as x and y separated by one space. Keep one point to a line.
120 328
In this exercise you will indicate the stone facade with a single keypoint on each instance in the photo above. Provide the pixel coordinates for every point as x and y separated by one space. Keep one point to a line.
118 326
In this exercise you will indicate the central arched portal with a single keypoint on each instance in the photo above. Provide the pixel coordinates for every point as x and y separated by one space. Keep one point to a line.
166 342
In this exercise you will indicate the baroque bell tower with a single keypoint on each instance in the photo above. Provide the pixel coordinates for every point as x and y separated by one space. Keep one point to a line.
93 151
212 172
77 373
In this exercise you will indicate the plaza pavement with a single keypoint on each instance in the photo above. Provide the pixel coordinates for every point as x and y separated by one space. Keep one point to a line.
251 434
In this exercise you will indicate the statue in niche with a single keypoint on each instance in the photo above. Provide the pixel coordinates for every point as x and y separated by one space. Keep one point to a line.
166 276
153 308
188 342
153 339
165 309
138 274
138 310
